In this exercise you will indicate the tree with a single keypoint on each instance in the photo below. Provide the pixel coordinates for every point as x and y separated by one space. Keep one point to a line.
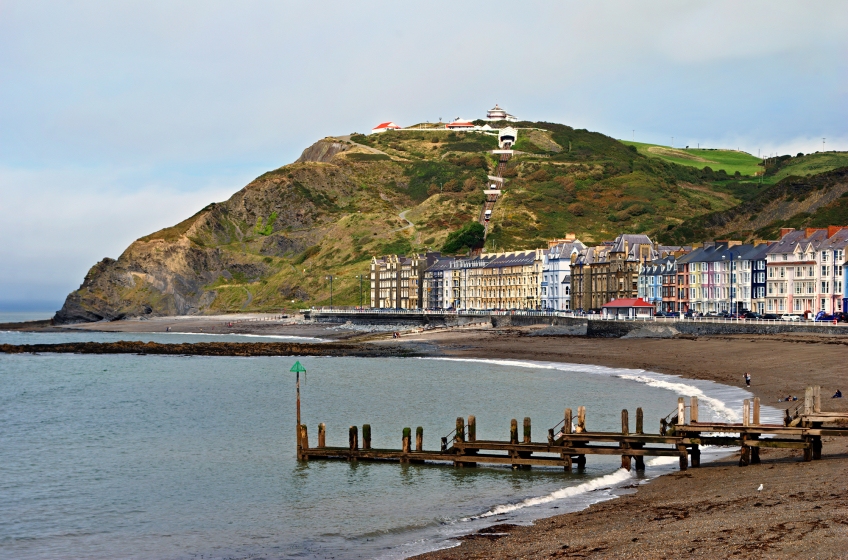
470 236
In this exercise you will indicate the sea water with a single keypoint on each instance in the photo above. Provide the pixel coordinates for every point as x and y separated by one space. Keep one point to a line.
194 457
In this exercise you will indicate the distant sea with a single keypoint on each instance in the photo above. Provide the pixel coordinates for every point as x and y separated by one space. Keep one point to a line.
194 457
21 316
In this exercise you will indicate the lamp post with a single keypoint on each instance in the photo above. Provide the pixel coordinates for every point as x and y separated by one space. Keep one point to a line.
297 368
330 278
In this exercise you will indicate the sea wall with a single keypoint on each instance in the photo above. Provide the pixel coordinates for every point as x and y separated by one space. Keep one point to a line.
594 328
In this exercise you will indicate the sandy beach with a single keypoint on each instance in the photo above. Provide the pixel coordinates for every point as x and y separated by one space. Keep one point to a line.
713 511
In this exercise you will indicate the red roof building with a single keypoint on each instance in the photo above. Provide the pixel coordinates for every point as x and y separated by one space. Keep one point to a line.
460 124
627 308
382 127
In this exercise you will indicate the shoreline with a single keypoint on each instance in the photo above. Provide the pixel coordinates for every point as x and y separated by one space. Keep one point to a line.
714 510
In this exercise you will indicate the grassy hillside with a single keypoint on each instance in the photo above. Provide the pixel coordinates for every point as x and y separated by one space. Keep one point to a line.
780 168
276 241
731 161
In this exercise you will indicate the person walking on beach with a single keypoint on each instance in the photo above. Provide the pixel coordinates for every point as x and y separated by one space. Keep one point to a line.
747 379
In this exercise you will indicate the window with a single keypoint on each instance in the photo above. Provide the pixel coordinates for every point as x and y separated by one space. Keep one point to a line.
785 257
837 287
797 305
837 256
771 273
771 288
783 272
825 270
799 272
799 288
825 287
823 304
824 255
771 305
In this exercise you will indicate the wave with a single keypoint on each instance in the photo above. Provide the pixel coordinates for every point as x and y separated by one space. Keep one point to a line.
612 479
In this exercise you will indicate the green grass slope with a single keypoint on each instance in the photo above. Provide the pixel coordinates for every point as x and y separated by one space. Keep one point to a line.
731 161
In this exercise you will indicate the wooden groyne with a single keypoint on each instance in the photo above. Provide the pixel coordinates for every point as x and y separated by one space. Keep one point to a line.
570 441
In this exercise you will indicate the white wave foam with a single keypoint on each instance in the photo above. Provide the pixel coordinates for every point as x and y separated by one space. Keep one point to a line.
611 479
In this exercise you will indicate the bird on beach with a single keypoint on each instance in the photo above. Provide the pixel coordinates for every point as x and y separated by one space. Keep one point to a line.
760 489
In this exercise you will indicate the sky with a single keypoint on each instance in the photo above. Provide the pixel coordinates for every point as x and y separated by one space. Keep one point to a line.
120 118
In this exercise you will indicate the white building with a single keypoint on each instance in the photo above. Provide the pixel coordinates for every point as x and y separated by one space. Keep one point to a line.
498 114
383 127
556 273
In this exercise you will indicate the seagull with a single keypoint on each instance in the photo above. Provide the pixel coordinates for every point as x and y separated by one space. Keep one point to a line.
760 489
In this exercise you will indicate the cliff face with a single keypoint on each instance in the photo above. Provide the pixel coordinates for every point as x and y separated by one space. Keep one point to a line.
275 242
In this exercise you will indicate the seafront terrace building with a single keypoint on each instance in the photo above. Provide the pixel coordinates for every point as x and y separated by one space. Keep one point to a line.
397 281
556 272
806 271
437 284
509 280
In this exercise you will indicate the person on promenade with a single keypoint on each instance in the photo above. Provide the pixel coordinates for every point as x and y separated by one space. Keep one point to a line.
747 379
837 394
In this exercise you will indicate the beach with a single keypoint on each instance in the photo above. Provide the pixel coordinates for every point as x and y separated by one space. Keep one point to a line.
716 510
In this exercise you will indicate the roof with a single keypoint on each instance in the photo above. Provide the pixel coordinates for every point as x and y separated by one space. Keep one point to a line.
460 122
388 124
628 302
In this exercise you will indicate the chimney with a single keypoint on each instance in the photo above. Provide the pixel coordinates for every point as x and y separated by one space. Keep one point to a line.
709 244
831 230
811 230
697 245
758 242
786 230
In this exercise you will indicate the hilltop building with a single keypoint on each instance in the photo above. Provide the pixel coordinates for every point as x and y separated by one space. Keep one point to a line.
498 114
383 127
460 124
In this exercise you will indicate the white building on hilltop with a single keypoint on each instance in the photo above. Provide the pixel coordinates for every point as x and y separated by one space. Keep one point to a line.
498 114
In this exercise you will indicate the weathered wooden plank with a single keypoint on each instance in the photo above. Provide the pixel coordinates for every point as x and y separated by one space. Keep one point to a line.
322 435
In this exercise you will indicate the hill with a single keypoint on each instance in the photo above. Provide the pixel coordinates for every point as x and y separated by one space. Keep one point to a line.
731 161
817 200
275 242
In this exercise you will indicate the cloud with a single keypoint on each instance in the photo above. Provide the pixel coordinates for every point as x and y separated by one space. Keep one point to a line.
150 110
56 223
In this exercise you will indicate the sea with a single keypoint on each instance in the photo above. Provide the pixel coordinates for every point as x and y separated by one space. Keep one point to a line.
140 456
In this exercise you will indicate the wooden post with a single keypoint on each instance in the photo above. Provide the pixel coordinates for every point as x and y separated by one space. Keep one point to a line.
353 438
472 428
567 428
693 409
304 437
405 439
746 412
460 429
696 456
322 438
640 421
681 412
527 438
745 452
756 411
684 457
366 436
808 401
419 438
513 431
817 399
581 419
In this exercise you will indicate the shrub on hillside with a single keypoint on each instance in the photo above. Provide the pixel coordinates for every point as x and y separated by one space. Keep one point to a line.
577 209
470 236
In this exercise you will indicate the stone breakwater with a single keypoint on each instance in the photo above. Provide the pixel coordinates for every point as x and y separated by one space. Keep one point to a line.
246 349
